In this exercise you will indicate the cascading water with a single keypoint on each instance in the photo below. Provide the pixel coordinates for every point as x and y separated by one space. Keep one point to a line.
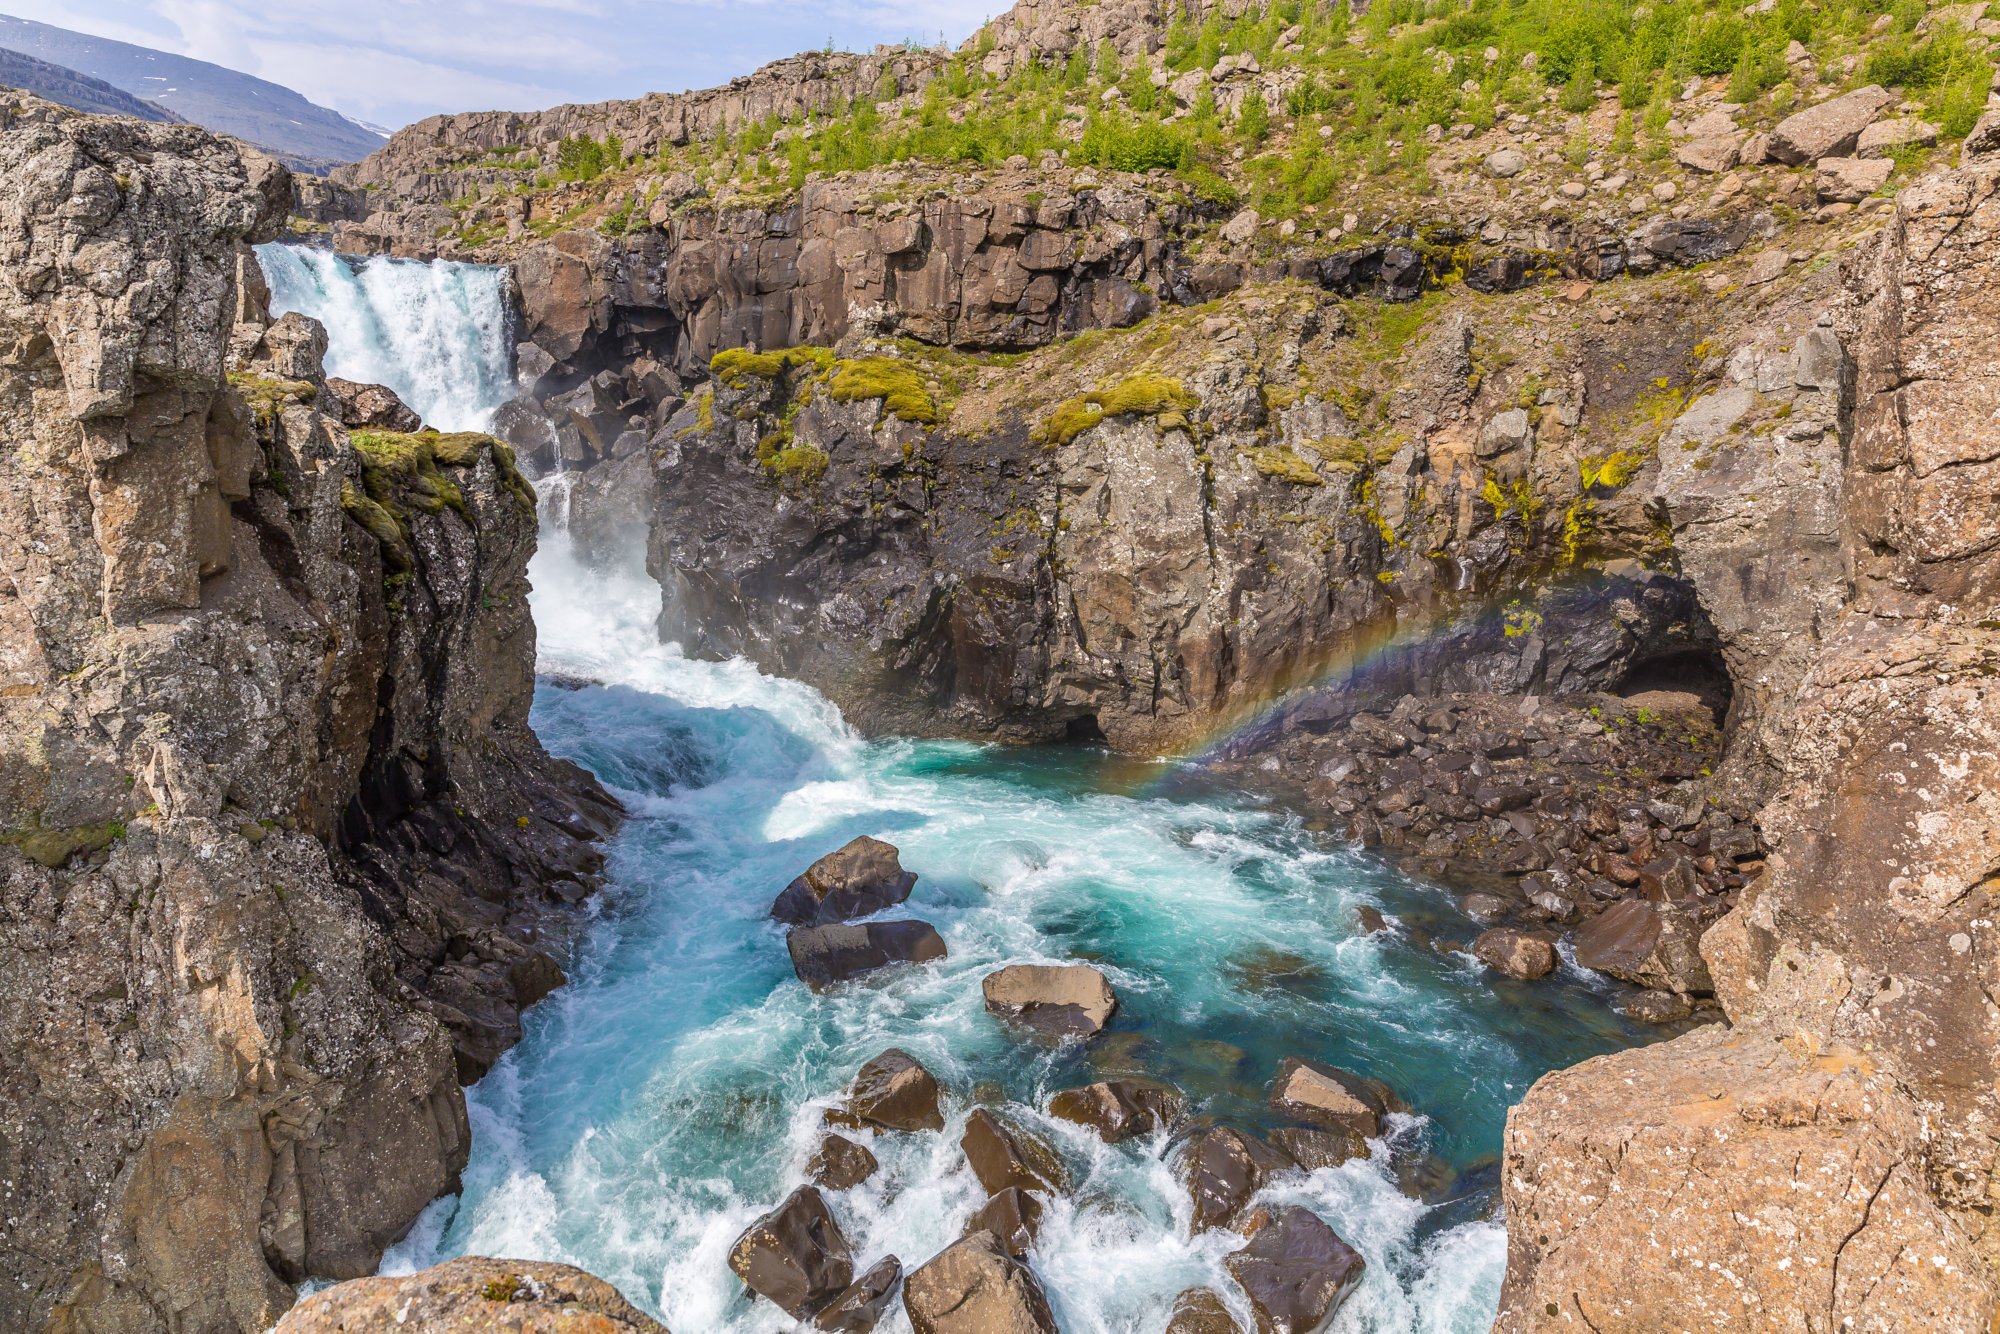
673 1090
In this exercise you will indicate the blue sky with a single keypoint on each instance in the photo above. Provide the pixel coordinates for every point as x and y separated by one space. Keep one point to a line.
391 62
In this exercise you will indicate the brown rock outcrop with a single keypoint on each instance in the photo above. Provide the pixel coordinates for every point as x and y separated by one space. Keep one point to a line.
862 878
1323 1095
826 956
892 1092
974 1286
1118 1109
794 1257
473 1292
1055 1000
273 842
1296 1272
1223 1168
1003 1155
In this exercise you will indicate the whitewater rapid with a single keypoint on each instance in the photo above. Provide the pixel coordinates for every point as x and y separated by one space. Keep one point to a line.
673 1090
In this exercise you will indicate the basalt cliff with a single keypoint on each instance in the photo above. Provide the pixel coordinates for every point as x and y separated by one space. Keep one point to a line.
1588 497
279 856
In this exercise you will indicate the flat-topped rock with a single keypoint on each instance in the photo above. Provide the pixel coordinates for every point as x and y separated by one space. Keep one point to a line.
1525 955
1002 1155
1314 1147
1118 1109
1056 1000
1829 129
825 956
862 878
892 1092
1322 1095
473 1292
974 1286
1296 1272
795 1256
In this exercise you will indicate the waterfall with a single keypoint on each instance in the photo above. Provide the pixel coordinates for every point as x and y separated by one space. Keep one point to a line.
439 333
674 1090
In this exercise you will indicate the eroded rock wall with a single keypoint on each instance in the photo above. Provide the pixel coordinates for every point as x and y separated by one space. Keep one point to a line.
273 831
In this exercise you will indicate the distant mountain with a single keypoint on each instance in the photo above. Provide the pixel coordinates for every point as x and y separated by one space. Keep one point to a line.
72 88
303 134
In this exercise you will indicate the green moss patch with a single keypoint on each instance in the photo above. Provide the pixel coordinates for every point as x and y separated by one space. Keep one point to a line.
734 366
1286 465
52 847
894 381
1157 396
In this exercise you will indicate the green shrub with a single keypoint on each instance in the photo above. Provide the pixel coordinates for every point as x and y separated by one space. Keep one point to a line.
1714 43
1580 93
1253 118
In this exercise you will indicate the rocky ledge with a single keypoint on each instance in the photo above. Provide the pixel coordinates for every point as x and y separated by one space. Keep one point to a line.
280 860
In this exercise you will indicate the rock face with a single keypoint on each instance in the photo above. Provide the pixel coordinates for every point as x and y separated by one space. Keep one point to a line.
1828 130
1646 945
840 1164
1850 1108
860 1307
1223 1168
1067 1000
1118 1109
862 878
473 1292
825 956
974 1286
281 858
1013 1216
1004 1156
795 1256
894 1092
1734 1182
1321 1095
1296 1272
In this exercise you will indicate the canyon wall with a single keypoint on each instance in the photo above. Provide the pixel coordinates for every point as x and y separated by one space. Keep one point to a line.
279 855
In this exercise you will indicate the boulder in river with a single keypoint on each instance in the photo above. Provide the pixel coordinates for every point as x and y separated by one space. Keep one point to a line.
1223 1168
1296 1272
1657 946
892 1092
974 1286
1012 1215
860 1306
1003 1155
1118 1109
1200 1311
1056 1000
1524 955
862 878
1316 1147
840 1164
824 956
1321 1095
795 1256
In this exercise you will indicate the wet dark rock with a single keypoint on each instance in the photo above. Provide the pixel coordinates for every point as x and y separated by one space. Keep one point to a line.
1314 1148
824 956
862 878
1525 955
1649 945
892 1092
1296 1272
1013 1215
1368 921
1057 1001
795 1256
840 1164
1323 1095
1200 1311
974 1286
1223 1168
1484 907
1118 1109
1003 1155
861 1305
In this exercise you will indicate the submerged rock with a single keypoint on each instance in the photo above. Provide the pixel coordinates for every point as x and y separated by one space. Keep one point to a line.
892 1092
862 878
1525 955
1118 1109
1200 1311
1058 1001
795 1256
1004 1155
1321 1095
824 956
840 1164
1296 1272
1223 1169
860 1307
974 1286
473 1292
1316 1148
1013 1215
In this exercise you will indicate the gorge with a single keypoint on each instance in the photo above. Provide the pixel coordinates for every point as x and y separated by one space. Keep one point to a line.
1494 685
